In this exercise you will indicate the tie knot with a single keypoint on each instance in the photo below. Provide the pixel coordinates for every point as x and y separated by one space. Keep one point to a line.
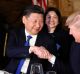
29 37
27 41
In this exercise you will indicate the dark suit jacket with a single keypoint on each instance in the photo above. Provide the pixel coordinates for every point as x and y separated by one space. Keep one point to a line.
64 40
75 58
16 49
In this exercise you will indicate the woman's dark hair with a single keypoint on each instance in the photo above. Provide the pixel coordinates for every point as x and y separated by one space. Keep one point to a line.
56 10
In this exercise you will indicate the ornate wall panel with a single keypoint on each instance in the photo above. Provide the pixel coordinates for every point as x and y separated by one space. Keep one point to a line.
53 3
65 6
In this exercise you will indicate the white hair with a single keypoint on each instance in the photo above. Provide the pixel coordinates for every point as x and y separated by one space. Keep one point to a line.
74 19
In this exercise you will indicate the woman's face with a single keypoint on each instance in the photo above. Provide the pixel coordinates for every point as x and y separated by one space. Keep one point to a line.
51 19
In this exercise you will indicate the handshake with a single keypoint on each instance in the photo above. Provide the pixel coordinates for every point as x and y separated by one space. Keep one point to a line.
41 52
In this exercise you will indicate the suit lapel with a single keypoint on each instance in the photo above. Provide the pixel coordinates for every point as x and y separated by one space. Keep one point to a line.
22 37
39 40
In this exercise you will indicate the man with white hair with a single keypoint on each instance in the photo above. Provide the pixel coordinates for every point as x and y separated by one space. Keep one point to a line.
73 23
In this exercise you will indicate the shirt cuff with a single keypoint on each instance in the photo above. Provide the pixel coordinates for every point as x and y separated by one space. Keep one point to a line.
29 51
52 60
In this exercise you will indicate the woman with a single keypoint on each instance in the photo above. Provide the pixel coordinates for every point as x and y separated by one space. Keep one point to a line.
53 25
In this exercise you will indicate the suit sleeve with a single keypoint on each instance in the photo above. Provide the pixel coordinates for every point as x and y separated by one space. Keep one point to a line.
62 68
15 48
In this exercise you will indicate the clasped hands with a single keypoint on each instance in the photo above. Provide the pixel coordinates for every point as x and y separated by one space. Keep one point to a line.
41 52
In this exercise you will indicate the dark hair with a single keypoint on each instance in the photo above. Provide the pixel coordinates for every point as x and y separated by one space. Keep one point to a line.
33 9
56 10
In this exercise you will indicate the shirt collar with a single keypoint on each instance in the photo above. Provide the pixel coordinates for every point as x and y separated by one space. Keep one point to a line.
26 34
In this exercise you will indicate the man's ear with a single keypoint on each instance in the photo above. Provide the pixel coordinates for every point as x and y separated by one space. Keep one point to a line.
77 18
76 21
23 19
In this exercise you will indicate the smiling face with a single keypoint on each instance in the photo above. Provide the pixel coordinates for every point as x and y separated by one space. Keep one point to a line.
33 23
51 19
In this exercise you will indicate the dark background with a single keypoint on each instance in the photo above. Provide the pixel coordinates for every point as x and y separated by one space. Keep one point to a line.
10 11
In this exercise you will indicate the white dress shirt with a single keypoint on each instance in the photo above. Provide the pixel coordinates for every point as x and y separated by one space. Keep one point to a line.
32 43
32 40
27 60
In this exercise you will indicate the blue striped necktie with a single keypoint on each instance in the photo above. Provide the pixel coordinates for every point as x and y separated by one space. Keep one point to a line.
27 41
22 60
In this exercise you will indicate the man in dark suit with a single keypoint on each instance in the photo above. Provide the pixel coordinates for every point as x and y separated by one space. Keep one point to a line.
73 23
33 21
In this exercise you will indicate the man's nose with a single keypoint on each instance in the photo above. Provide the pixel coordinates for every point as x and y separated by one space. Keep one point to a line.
37 24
